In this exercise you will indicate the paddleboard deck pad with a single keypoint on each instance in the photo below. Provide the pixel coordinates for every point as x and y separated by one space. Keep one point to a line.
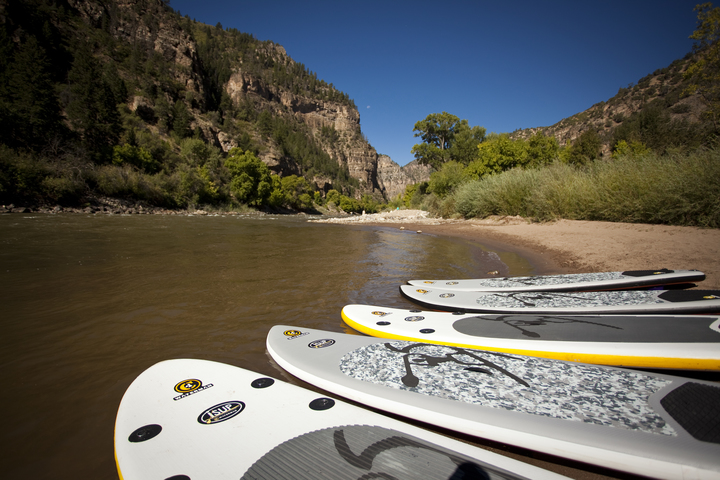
648 424
683 342
567 303
569 282
195 419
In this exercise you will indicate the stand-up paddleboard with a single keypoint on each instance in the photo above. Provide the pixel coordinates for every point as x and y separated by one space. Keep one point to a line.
195 419
648 424
569 282
687 342
568 303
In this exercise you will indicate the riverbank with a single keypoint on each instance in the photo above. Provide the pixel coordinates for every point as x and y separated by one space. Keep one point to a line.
572 246
569 246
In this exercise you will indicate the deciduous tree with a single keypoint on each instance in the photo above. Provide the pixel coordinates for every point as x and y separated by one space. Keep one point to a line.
445 137
704 73
251 182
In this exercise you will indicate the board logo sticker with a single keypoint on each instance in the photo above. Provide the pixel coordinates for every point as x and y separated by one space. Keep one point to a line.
451 283
710 297
292 334
414 318
447 295
380 314
189 387
221 412
422 290
429 282
325 342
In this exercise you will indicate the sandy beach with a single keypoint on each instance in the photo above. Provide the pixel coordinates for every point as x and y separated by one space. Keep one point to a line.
572 246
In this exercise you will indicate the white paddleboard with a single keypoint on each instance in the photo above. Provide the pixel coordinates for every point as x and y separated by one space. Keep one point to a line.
196 419
568 303
569 282
648 424
684 342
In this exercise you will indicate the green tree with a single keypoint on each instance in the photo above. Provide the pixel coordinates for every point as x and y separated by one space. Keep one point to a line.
349 205
541 150
464 146
34 112
333 196
445 137
181 119
297 192
251 179
586 148
444 181
134 155
369 204
704 72
497 154
91 108
265 123
196 152
633 149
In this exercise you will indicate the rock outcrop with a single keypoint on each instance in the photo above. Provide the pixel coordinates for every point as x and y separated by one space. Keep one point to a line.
394 178
152 24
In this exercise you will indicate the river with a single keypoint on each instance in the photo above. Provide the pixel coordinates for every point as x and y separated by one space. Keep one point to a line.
90 301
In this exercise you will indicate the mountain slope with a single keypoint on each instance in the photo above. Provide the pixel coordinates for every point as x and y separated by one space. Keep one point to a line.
186 95
655 111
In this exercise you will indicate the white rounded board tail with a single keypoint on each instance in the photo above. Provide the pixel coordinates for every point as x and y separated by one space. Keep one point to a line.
637 302
196 419
681 342
569 282
642 423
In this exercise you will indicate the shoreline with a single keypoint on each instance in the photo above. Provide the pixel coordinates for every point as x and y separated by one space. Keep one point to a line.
570 246
574 246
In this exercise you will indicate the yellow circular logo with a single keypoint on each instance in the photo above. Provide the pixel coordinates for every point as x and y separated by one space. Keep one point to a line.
189 385
421 290
292 333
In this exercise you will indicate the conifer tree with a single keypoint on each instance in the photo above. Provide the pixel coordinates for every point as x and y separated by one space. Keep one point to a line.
31 112
91 106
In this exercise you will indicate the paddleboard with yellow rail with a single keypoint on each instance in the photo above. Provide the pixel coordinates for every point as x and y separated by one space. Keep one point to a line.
662 277
195 419
643 423
682 342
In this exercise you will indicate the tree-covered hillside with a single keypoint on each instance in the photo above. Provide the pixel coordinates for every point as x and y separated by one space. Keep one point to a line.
106 99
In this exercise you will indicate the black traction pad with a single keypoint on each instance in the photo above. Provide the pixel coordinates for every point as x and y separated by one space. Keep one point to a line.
696 407
645 273
689 295
362 451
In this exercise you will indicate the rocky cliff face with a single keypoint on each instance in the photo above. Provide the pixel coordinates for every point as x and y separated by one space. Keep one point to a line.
335 126
394 178
347 145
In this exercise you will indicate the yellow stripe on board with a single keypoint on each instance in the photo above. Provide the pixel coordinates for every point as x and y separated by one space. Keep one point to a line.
674 363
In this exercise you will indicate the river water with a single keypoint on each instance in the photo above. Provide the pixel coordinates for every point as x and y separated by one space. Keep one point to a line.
89 302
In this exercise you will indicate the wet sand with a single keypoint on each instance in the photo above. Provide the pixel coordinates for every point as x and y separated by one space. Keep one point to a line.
572 246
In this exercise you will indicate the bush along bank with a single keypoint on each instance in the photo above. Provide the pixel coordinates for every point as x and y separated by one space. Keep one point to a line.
672 189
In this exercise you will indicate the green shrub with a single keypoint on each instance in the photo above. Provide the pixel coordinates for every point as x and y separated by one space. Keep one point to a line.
677 189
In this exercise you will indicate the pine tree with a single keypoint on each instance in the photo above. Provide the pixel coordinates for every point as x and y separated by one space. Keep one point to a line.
92 106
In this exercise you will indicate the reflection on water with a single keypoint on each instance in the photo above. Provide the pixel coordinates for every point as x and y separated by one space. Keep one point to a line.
89 302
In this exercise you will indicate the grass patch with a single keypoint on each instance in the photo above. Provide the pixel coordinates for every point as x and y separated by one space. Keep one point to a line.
673 189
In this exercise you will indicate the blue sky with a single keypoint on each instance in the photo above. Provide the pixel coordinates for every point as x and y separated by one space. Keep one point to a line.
500 65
